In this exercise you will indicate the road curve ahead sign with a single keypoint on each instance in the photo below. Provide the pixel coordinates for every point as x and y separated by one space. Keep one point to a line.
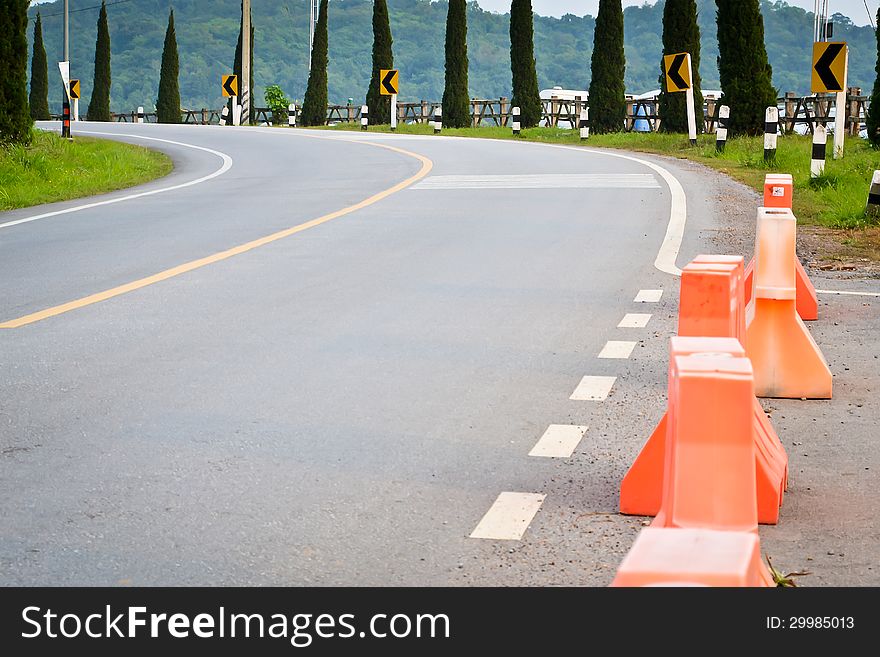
389 81
230 85
678 72
829 67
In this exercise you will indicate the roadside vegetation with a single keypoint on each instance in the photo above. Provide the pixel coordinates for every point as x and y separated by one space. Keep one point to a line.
52 169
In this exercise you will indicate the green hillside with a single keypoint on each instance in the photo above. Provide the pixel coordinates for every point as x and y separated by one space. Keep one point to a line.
207 33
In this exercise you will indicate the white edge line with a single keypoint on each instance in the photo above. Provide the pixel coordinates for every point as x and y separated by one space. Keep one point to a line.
227 165
854 294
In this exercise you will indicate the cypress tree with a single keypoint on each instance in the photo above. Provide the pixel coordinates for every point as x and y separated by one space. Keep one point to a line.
15 117
236 67
607 90
39 98
873 119
383 57
745 72
168 104
99 103
456 102
681 34
314 110
526 95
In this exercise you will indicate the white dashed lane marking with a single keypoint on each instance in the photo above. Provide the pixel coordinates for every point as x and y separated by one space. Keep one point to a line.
559 441
634 320
648 296
593 388
509 516
617 349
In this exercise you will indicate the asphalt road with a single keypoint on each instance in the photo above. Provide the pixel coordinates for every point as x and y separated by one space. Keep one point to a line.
343 404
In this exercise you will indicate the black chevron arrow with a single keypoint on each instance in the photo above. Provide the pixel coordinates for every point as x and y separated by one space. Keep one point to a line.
388 82
823 67
228 85
674 71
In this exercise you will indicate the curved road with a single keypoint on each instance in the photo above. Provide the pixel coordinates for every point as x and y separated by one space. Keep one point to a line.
342 403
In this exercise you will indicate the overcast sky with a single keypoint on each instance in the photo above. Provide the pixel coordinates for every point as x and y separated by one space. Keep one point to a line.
855 9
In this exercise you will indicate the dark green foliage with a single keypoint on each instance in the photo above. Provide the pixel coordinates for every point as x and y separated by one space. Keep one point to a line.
15 117
562 47
681 34
236 67
745 72
456 101
99 104
608 66
39 97
526 94
168 104
383 57
314 111
873 120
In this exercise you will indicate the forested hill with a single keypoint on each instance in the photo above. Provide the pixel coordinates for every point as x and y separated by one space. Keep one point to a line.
207 32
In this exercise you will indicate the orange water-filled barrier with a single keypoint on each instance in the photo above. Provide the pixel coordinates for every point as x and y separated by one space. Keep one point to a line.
786 360
693 557
711 305
778 192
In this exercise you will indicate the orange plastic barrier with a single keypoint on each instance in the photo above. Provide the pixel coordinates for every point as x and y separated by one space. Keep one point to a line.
693 557
778 192
786 360
711 305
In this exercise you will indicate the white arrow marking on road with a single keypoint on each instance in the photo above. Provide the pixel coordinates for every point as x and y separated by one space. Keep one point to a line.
227 165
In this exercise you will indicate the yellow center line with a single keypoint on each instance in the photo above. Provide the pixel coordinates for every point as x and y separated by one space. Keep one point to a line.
98 297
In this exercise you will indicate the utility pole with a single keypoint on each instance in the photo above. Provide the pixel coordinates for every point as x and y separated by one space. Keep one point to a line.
65 101
246 62
66 33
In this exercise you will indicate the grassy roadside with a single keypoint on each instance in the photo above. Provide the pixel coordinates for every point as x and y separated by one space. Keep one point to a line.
52 169
837 201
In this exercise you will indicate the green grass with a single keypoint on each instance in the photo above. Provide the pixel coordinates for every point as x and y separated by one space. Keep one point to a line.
837 200
53 169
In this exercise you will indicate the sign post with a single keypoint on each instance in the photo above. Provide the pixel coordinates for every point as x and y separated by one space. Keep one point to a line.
679 76
229 84
64 68
389 85
830 64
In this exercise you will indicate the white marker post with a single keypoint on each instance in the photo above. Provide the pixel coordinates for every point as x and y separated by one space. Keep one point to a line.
771 127
584 123
873 206
438 120
365 117
517 125
291 115
721 128
236 111
393 112
140 117
689 100
224 115
820 139
840 113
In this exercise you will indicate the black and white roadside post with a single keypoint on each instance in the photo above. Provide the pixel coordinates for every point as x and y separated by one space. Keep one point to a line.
515 121
393 112
820 140
64 68
584 123
438 120
224 115
771 128
873 206
291 115
721 128
365 117
141 117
